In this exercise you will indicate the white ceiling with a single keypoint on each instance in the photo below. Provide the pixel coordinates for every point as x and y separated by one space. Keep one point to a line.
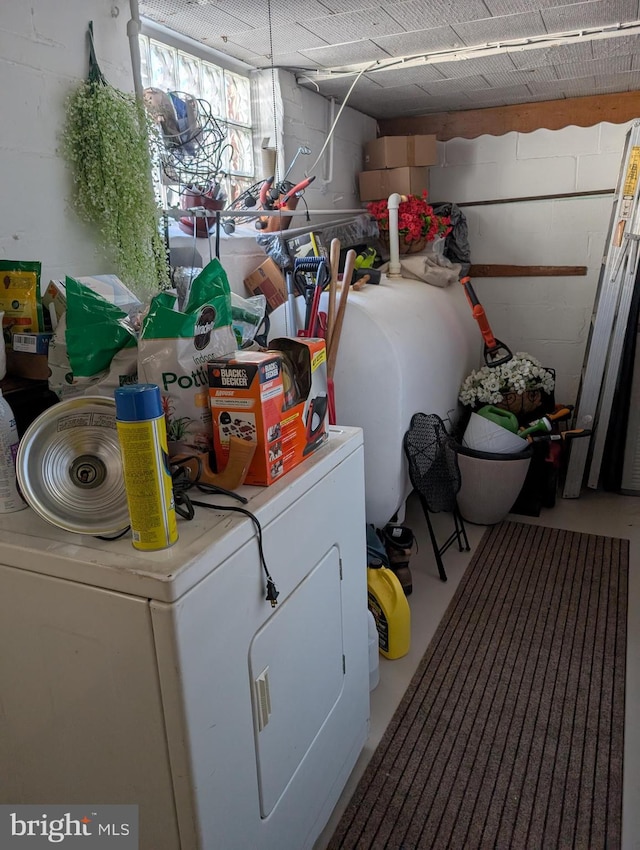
458 54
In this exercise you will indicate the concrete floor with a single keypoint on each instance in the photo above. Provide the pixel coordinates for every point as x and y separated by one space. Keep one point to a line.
594 512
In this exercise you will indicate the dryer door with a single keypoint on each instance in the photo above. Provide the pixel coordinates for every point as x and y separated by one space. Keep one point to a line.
297 672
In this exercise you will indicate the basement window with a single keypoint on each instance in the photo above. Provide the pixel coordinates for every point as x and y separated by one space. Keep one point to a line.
228 94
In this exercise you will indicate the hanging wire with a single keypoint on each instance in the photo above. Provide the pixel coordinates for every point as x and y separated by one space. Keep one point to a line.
183 482
337 118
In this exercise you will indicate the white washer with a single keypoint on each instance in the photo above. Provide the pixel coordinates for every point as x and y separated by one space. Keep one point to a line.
165 679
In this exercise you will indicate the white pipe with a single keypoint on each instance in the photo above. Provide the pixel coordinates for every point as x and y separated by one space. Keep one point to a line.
329 178
393 203
133 31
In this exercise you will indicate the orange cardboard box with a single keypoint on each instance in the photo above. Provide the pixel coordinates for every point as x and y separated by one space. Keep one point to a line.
305 415
277 398
375 185
400 151
269 281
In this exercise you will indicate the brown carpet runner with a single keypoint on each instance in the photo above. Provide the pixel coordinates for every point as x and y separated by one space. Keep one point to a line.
510 734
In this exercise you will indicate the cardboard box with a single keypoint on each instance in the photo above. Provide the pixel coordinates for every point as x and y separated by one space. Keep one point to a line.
269 281
375 185
32 343
305 416
277 398
399 151
20 364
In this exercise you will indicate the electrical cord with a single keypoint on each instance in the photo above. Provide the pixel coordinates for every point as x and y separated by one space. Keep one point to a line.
182 483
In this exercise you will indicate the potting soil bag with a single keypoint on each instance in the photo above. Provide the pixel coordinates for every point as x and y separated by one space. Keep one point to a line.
174 349
94 345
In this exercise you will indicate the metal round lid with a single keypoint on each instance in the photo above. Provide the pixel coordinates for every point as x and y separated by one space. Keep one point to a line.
69 467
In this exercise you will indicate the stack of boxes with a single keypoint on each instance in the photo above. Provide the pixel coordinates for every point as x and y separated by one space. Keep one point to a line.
397 164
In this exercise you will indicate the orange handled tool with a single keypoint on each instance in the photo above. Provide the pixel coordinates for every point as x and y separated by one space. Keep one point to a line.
495 352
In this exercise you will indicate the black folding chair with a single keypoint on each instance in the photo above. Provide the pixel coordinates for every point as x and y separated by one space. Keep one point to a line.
434 474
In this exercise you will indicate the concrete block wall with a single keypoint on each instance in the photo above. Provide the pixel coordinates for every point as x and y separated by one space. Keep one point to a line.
307 119
549 317
43 55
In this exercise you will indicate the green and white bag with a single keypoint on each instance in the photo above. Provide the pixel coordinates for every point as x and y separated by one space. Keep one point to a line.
93 349
174 349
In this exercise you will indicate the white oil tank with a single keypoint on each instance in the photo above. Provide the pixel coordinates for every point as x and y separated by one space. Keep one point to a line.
405 347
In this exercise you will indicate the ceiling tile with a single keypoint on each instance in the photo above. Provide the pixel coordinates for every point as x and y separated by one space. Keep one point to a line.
465 84
591 14
449 103
509 78
467 67
564 88
435 12
419 41
419 75
340 85
351 53
611 65
257 14
290 60
347 5
509 94
511 7
505 28
312 35
334 29
616 46
285 37
552 55
193 20
616 82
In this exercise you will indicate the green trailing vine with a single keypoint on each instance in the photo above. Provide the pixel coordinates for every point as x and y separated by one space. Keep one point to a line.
107 144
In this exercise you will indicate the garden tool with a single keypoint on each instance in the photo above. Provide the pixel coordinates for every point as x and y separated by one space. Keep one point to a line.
366 259
540 426
495 352
545 424
335 333
311 274
334 263
563 436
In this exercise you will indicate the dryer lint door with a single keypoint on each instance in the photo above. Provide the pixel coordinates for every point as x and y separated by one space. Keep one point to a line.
297 671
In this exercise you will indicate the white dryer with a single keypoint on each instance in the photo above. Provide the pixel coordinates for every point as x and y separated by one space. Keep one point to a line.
167 680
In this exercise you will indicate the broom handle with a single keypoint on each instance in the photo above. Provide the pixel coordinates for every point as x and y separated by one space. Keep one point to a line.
334 262
342 306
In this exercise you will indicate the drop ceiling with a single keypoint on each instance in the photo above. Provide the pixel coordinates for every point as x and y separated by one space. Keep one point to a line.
423 56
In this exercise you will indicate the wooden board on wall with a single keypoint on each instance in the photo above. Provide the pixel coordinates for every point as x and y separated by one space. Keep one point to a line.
523 118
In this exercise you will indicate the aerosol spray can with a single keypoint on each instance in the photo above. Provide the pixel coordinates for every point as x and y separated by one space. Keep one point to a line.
10 499
142 433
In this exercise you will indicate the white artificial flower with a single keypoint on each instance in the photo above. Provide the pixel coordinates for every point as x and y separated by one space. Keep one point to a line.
488 385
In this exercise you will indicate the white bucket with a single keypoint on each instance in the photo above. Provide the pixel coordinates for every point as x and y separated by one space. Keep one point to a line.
483 435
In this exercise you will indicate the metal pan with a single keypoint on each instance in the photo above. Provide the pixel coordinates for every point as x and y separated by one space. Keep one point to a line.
69 467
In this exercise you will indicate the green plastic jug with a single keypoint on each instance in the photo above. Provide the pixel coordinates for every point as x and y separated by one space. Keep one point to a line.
501 417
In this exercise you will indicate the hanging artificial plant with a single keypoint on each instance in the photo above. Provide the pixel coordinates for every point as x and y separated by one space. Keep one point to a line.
107 143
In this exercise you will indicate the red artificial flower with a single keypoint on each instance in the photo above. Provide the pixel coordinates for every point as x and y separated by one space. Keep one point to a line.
416 219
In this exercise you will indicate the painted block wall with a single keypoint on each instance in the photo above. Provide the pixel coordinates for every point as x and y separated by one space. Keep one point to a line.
43 54
548 317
